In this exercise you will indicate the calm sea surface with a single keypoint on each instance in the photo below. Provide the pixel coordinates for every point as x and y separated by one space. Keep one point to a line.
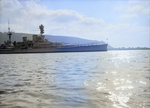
113 79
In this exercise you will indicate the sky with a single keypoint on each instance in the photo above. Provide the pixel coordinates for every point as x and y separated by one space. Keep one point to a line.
121 23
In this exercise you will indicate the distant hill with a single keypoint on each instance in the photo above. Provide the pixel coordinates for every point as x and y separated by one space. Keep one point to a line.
71 40
63 39
15 37
52 38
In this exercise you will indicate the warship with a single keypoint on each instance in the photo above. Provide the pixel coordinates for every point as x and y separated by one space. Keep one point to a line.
39 44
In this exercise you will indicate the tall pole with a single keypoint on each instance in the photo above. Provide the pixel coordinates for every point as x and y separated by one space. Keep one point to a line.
107 40
8 26
9 33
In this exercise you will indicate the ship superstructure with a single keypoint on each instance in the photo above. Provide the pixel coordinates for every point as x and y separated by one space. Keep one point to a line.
39 44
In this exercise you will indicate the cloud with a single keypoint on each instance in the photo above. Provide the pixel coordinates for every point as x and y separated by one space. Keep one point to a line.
64 16
133 9
144 3
9 4
30 14
138 9
127 16
26 16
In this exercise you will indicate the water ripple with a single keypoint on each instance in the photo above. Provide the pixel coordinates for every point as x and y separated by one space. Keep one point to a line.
113 79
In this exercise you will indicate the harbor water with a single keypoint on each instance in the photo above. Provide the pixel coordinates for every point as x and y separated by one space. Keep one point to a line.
112 79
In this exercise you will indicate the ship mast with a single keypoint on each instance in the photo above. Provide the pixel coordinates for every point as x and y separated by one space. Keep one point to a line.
41 27
9 33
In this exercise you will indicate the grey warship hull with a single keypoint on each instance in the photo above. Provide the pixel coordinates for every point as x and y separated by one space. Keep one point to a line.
90 48
39 44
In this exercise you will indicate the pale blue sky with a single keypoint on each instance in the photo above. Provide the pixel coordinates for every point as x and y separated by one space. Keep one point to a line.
126 23
90 8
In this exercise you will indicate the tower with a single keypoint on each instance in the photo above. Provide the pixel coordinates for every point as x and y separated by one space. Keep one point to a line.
41 27
9 33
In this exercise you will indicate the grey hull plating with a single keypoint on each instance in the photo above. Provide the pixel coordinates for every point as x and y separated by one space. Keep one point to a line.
90 48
